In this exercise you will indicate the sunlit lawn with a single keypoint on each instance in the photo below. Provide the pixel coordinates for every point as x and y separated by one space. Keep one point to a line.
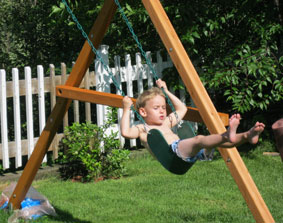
207 193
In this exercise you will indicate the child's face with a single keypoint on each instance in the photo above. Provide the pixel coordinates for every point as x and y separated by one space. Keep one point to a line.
154 112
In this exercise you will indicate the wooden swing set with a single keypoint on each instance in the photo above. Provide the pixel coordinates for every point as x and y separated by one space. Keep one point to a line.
206 111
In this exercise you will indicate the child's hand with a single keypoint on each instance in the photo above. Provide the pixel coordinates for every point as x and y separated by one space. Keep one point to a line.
160 83
127 102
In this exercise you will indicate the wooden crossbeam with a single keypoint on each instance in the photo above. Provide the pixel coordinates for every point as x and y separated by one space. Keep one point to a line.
115 100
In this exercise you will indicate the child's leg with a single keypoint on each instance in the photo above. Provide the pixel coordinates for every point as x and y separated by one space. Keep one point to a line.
190 147
250 136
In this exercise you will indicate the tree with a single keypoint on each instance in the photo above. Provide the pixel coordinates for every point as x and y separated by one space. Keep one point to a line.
236 46
237 50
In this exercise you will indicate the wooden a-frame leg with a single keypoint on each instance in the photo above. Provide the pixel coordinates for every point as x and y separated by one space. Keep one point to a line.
207 110
83 61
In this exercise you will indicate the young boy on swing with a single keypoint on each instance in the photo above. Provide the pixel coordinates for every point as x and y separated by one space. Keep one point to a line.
151 105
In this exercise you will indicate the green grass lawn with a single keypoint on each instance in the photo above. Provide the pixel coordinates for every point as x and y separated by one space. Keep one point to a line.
207 193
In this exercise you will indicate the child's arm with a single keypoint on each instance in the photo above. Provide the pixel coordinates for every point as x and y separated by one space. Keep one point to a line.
126 130
179 106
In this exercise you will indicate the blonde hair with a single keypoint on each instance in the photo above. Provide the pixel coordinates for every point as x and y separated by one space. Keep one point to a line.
147 95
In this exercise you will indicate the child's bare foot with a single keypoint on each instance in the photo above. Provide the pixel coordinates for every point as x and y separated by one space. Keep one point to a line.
254 132
234 122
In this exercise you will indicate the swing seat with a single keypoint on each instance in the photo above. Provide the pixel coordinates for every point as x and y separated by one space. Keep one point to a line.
163 152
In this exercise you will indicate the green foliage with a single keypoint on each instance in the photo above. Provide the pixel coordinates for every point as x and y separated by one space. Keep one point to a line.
26 34
88 152
1 169
235 46
113 165
253 82
252 78
117 34
264 146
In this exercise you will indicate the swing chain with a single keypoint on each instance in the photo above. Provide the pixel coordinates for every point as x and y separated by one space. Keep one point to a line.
146 58
99 57
95 51
136 39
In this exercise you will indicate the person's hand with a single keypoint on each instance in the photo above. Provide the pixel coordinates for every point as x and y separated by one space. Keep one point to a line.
127 102
161 84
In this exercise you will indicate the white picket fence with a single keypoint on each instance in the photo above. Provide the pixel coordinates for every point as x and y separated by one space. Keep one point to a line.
132 75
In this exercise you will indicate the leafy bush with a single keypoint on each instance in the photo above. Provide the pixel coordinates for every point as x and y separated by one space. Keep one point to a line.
87 153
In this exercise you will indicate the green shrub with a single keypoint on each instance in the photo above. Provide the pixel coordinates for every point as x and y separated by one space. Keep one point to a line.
87 153
264 146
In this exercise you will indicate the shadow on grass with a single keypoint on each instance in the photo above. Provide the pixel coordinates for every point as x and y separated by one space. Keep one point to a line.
64 216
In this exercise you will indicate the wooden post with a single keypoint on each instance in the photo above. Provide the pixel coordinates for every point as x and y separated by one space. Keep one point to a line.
84 59
63 81
87 104
54 143
207 109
